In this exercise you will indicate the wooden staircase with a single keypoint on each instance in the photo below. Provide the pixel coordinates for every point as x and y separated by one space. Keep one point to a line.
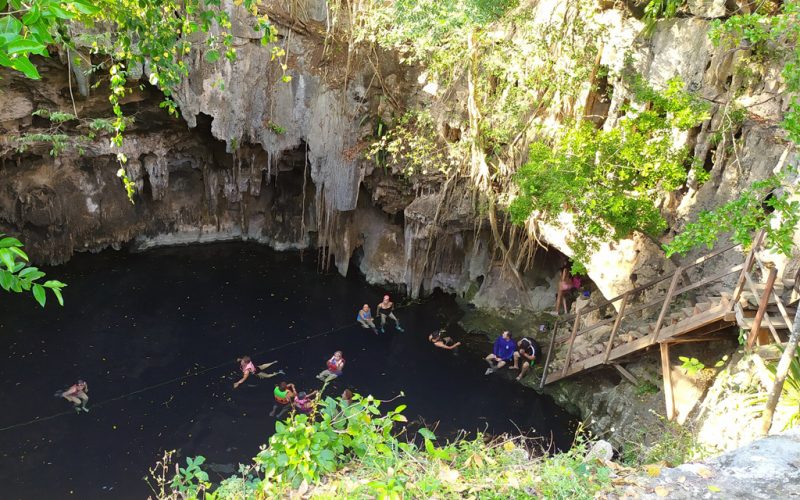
687 311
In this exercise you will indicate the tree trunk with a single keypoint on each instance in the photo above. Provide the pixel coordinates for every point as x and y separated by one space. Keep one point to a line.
780 375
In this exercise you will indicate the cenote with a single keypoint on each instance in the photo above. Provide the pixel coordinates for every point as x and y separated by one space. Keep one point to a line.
137 320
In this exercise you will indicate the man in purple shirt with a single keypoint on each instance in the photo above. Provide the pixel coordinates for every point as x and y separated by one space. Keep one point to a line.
502 353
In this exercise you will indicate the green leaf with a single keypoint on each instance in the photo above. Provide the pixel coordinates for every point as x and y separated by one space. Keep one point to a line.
85 7
426 433
39 294
32 16
22 255
212 56
7 258
53 284
10 242
59 298
5 279
59 12
4 60
23 65
25 45
28 271
10 25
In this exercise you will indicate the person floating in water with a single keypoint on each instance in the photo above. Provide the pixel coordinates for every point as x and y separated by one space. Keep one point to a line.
284 394
347 397
248 368
76 395
528 350
335 367
502 353
365 318
386 309
443 342
304 402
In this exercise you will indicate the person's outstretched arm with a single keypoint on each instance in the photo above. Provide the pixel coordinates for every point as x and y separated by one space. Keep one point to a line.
241 381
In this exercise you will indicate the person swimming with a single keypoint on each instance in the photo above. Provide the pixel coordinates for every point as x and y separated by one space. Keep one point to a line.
304 403
248 368
284 395
443 342
335 366
76 395
364 317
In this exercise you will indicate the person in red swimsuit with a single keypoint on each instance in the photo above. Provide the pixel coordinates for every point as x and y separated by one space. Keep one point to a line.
76 395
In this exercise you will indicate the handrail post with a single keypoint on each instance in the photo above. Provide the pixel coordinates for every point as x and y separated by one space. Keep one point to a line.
549 354
748 266
673 284
615 328
572 341
666 374
762 307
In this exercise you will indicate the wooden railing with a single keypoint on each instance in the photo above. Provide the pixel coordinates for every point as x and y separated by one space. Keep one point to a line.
746 280
627 299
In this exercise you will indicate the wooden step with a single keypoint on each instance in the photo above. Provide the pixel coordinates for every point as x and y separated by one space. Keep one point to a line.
687 326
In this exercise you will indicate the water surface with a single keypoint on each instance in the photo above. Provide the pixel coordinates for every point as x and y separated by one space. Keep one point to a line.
132 321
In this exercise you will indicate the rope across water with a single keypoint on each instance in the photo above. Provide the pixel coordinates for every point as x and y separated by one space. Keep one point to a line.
177 379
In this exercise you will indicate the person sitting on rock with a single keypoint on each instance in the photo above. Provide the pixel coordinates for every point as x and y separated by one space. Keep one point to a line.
76 395
528 350
335 367
304 403
386 309
284 394
502 352
443 342
248 368
365 318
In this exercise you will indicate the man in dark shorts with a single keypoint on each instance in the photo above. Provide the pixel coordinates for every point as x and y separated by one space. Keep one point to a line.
527 349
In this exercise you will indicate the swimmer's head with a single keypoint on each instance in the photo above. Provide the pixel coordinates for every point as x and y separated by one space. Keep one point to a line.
302 395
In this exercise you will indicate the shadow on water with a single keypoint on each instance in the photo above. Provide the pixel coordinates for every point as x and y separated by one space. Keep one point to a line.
135 320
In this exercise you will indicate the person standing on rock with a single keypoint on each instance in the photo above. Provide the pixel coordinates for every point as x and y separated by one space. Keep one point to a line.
248 368
528 350
365 318
335 367
502 353
386 309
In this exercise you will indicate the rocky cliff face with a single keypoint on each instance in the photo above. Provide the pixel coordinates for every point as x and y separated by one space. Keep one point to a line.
259 158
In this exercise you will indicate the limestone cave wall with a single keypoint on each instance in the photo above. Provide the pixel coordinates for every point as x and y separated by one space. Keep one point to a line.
255 157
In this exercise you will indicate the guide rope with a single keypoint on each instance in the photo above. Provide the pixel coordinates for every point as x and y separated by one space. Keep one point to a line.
179 378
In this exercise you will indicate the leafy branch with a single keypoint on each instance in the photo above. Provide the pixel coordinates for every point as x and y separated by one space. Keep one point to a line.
18 276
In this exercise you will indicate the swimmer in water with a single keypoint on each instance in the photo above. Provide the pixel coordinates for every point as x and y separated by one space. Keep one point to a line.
76 395
248 368
365 318
386 309
443 342
335 366
284 394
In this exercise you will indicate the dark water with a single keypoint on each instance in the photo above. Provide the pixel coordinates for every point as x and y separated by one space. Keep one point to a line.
135 320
